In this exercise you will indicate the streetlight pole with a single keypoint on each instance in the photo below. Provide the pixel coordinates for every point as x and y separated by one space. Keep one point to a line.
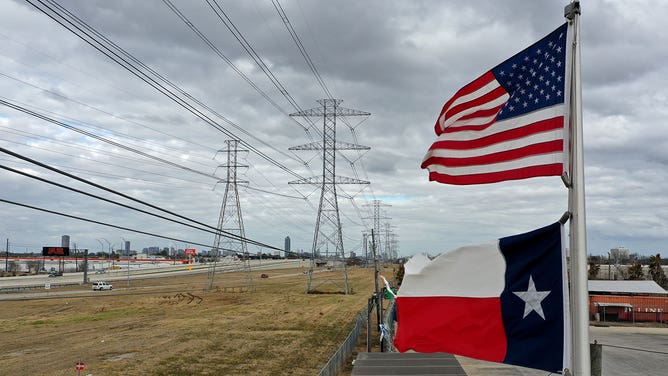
108 250
127 254
101 249
85 266
7 256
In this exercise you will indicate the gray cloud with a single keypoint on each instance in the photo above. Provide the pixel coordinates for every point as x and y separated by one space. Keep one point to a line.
398 60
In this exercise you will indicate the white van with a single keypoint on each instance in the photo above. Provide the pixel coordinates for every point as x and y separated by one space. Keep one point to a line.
102 286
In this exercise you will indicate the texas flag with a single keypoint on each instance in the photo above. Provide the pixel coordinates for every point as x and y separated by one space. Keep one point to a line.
505 301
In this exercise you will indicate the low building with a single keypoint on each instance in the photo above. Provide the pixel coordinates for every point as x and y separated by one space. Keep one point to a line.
628 301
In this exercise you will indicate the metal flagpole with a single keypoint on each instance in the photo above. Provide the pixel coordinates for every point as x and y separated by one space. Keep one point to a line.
576 203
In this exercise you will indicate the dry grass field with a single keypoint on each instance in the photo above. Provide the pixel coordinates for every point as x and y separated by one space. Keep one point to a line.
173 327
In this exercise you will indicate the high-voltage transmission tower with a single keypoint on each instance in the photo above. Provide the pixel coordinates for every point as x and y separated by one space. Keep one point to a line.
380 245
328 237
230 237
390 253
394 246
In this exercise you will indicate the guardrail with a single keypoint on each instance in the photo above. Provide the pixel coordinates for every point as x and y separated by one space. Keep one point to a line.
9 289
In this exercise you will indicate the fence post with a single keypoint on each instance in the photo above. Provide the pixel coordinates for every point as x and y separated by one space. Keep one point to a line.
369 310
596 350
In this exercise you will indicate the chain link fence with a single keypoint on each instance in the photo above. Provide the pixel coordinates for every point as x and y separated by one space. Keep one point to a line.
336 362
363 320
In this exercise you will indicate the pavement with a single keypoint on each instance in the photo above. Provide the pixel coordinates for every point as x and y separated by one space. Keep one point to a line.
628 350
632 350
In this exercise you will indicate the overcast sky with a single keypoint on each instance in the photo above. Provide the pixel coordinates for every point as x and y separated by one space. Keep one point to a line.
398 60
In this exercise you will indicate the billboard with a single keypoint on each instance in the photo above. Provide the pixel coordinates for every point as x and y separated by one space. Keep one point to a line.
55 251
190 251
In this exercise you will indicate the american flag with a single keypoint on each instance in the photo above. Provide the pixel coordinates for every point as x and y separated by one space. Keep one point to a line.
507 124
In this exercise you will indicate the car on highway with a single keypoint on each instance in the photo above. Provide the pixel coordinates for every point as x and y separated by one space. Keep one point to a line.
99 286
55 274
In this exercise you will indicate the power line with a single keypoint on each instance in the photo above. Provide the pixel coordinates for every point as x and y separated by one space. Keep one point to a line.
71 176
274 193
130 149
70 145
225 19
100 197
101 223
136 67
59 95
309 62
301 48
100 138
114 52
108 175
251 52
232 28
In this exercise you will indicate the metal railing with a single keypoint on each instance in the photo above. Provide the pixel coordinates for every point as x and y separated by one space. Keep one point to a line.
362 320
336 362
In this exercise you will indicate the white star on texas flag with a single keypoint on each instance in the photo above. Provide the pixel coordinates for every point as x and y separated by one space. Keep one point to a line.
532 299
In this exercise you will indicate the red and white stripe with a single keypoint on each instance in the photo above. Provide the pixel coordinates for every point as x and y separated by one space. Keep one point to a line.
473 148
474 106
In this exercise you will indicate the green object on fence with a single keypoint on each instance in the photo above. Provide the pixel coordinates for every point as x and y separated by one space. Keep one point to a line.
388 295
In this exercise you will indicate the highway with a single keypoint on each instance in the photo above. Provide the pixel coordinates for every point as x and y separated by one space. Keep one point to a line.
11 286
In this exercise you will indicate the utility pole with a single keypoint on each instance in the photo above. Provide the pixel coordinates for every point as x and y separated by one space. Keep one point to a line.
7 256
366 251
127 254
328 223
377 294
85 267
231 235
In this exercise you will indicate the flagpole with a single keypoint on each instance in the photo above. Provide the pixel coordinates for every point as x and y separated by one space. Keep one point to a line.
576 202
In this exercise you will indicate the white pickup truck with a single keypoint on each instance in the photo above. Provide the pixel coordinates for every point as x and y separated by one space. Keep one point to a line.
99 286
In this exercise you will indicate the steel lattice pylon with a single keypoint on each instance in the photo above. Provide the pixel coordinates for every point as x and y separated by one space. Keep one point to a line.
380 245
230 237
328 231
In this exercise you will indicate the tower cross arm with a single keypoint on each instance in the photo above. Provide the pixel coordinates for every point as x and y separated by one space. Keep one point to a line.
349 146
337 146
338 111
330 107
310 146
337 180
342 111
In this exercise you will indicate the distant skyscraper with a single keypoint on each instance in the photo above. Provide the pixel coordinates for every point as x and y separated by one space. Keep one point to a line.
620 253
65 241
127 246
287 244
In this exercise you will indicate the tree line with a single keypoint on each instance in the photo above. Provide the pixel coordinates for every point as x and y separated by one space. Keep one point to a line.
633 268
